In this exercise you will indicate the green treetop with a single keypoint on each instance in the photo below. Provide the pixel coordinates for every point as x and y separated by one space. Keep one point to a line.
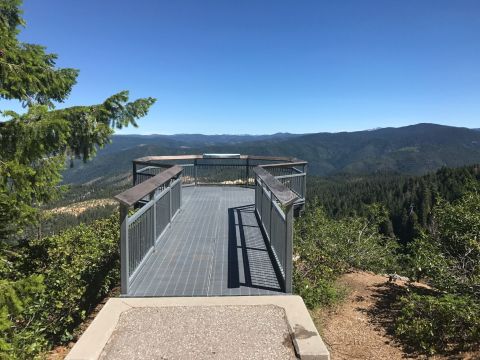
35 146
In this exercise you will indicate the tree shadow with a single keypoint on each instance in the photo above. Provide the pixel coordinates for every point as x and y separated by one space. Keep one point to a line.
250 262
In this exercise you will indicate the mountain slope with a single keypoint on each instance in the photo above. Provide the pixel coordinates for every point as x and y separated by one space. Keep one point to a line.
412 149
415 149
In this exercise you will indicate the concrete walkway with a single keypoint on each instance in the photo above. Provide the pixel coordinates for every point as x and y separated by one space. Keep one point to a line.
237 327
259 332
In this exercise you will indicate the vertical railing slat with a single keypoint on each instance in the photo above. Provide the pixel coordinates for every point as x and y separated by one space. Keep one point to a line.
124 263
289 249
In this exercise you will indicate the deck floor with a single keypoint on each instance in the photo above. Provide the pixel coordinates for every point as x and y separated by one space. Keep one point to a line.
214 247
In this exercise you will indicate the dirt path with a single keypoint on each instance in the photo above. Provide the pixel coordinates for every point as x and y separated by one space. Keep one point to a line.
359 327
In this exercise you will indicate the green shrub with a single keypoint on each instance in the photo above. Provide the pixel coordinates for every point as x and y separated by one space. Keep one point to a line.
325 248
80 266
321 292
448 257
74 270
17 311
436 324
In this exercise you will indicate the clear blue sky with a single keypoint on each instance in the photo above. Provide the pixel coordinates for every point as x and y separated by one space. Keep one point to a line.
269 66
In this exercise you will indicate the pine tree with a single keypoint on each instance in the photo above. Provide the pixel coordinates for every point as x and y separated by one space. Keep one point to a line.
34 146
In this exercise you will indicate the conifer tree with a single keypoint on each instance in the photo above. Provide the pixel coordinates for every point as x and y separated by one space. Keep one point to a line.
35 145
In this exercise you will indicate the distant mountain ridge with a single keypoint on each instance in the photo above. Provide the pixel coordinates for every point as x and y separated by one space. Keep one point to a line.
414 149
122 142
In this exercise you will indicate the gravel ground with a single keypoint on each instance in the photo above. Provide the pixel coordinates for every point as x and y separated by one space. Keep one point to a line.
208 332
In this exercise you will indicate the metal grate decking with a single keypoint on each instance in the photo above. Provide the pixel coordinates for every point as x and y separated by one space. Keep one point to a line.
214 247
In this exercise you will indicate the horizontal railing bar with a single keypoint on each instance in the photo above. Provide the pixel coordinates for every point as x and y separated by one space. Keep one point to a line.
134 194
142 170
146 174
170 186
283 194
140 212
290 176
147 159
162 193
148 163
287 164
273 158
220 164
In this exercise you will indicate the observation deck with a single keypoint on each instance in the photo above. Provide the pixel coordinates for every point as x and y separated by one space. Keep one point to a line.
210 225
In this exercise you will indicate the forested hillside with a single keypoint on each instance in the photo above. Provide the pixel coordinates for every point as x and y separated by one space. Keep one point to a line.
426 228
411 150
409 200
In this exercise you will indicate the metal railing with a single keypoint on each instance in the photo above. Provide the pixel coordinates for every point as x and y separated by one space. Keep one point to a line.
295 182
280 186
292 175
161 199
274 209
238 170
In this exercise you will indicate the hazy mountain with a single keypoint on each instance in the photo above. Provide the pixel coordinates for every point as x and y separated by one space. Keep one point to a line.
415 149
124 142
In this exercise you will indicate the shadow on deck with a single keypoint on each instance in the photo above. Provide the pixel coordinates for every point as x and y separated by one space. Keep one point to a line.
214 247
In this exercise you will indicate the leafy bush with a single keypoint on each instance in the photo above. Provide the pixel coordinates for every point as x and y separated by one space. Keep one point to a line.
325 248
318 292
17 311
448 257
73 271
446 322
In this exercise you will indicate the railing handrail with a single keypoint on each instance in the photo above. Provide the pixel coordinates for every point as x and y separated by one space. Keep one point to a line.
287 164
148 159
134 194
284 195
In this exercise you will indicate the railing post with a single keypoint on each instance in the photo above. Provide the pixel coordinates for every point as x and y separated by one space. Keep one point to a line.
180 191
270 217
305 168
247 172
124 273
152 197
257 197
289 249
195 164
170 201
134 170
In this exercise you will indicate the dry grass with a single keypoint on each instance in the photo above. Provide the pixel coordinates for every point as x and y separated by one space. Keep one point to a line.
80 207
